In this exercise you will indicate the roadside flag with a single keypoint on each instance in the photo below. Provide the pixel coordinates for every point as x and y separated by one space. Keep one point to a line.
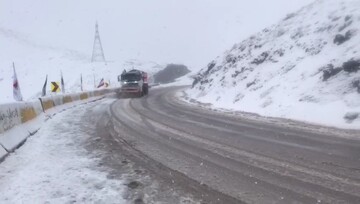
62 83
16 87
94 82
81 83
44 87
101 83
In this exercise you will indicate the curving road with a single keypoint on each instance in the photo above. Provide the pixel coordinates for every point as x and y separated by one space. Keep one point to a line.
230 158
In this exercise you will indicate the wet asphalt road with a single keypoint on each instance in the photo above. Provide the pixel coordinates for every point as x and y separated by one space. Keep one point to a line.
229 158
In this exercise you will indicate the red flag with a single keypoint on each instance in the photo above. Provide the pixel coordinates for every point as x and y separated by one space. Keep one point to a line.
16 88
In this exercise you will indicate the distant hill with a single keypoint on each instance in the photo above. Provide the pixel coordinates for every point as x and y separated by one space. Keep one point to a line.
170 73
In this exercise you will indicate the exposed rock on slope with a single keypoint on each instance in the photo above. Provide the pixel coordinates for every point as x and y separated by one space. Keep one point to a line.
306 67
170 73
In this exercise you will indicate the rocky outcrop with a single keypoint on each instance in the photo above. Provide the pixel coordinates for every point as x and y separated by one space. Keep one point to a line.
170 73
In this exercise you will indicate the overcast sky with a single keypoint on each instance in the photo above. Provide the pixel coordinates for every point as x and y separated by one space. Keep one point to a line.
192 32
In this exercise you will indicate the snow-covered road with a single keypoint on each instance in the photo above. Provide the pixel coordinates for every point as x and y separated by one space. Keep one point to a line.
159 149
53 166
229 157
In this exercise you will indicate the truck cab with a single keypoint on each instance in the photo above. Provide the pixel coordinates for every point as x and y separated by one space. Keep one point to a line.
134 82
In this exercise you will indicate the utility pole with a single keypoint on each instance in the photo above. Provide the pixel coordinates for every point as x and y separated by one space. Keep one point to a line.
98 52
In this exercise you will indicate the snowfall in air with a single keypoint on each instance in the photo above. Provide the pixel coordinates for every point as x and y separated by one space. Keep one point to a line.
301 65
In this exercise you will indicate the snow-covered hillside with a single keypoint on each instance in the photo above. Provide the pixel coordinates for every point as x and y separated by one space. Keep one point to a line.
307 67
34 61
43 37
165 31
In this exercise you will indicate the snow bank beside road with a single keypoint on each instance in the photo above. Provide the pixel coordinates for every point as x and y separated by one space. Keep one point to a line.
19 120
182 81
53 167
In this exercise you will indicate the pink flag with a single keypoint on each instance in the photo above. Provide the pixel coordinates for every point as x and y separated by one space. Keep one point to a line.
16 87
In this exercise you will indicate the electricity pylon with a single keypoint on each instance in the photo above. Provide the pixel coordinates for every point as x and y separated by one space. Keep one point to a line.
98 52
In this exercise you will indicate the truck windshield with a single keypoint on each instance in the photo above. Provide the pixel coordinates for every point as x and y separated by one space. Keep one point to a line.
130 77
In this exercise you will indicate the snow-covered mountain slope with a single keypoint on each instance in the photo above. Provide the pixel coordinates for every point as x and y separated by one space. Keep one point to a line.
307 67
43 37
33 61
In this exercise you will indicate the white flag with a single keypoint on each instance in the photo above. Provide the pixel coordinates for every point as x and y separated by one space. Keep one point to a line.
44 87
81 83
16 87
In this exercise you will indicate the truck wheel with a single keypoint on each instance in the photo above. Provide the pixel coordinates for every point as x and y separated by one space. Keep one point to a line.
146 90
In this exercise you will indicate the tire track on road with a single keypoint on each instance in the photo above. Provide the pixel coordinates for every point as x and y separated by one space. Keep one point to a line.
279 180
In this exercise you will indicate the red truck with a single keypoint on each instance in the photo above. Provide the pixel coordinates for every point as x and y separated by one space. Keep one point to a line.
134 82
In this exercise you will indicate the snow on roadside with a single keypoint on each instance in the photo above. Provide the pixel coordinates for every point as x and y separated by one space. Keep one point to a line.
182 81
53 167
